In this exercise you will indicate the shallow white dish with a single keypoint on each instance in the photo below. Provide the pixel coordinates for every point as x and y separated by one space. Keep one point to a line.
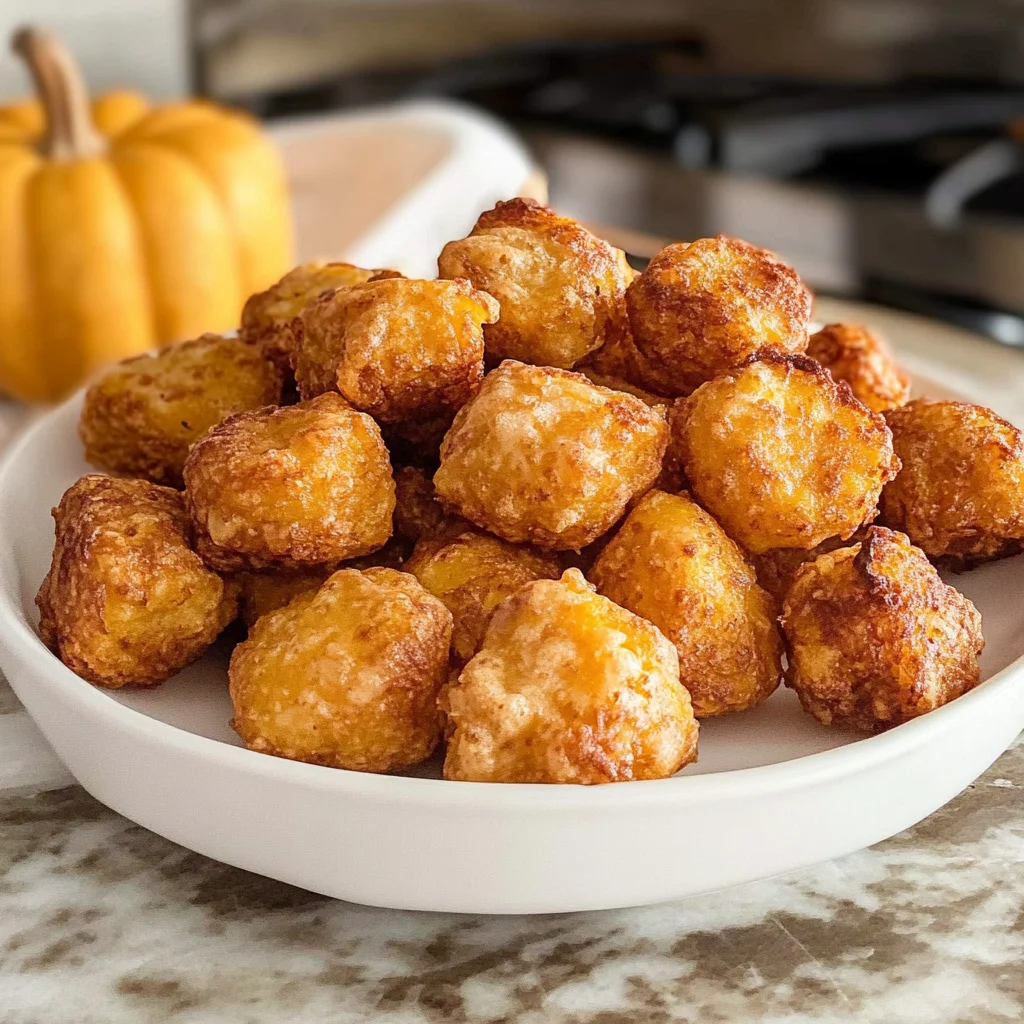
773 790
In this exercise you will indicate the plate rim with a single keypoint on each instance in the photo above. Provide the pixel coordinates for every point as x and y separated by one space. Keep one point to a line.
20 643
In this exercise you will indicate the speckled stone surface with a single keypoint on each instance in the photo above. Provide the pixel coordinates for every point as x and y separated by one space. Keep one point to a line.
101 921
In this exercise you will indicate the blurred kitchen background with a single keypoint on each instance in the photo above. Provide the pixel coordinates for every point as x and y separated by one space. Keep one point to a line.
878 144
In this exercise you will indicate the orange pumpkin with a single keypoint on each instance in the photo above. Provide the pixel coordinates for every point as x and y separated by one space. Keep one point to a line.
124 226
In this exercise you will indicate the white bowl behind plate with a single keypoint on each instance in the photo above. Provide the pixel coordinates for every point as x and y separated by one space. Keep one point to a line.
772 791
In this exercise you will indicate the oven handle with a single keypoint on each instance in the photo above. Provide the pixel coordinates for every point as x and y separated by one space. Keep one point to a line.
949 193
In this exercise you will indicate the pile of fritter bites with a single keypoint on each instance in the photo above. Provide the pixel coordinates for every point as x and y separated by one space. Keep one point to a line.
542 512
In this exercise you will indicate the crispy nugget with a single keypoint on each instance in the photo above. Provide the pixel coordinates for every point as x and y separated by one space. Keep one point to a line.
126 601
398 349
346 676
776 567
960 494
301 486
671 563
701 308
623 384
560 287
568 687
266 591
875 638
141 416
472 573
854 353
267 316
543 456
782 455
269 589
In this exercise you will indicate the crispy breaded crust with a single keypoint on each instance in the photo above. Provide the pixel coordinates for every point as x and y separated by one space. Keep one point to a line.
782 455
472 573
856 354
346 676
701 308
875 638
140 417
776 567
568 688
126 601
543 456
671 563
560 288
296 487
267 316
398 349
960 494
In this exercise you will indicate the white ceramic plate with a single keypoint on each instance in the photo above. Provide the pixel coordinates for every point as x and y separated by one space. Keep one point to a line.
772 791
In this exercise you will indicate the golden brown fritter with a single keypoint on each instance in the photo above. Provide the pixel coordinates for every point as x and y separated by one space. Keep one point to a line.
346 676
398 349
875 638
126 601
268 590
472 573
776 567
622 384
619 359
960 494
568 687
701 308
782 455
141 416
854 353
560 287
671 563
418 513
297 487
267 316
543 456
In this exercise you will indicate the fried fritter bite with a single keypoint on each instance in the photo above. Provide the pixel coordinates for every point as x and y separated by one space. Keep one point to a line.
622 384
141 416
472 573
619 359
560 288
126 601
782 455
418 513
345 676
568 687
297 487
266 591
267 316
856 354
543 456
875 638
701 308
398 349
672 564
960 494
776 567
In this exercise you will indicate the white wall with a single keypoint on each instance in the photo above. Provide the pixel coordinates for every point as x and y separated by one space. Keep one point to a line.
141 43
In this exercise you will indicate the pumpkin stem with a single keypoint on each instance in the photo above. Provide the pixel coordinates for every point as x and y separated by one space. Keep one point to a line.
69 129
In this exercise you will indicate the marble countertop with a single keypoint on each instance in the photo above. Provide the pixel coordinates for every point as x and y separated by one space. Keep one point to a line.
102 921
